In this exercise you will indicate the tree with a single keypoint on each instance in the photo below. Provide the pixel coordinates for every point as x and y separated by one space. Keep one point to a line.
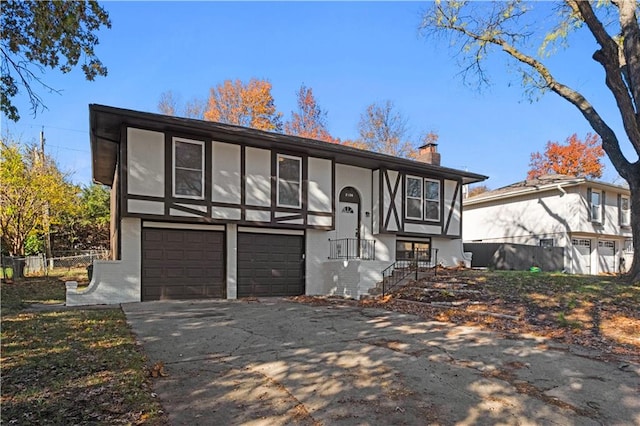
383 129
86 227
249 105
574 158
477 190
169 104
310 121
479 28
37 35
31 183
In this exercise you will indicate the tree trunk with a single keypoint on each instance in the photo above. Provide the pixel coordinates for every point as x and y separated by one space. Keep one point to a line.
634 186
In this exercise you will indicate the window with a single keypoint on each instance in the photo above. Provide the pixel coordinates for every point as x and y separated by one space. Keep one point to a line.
628 246
596 206
625 212
414 198
188 168
410 250
289 181
422 199
546 242
431 199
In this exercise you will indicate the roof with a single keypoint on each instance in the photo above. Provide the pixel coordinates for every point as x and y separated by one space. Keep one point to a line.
543 183
106 124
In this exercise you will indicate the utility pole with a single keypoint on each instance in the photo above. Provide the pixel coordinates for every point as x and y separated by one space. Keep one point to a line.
45 213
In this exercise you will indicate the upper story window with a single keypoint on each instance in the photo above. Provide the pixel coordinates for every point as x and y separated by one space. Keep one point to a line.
422 199
625 211
289 181
546 242
188 168
595 206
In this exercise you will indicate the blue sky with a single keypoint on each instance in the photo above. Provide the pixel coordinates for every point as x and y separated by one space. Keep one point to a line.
351 54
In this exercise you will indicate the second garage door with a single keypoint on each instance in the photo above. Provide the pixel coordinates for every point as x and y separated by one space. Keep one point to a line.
270 265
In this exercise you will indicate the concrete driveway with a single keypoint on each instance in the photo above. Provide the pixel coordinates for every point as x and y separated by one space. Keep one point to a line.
273 362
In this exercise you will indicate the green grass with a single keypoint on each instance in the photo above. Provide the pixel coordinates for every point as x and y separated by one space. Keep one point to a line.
69 366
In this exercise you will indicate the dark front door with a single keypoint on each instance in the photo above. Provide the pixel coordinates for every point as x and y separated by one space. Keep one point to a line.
182 264
270 265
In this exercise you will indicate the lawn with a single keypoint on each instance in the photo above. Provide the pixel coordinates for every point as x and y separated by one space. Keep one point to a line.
69 366
598 312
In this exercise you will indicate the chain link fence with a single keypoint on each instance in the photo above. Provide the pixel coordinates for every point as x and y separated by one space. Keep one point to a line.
38 265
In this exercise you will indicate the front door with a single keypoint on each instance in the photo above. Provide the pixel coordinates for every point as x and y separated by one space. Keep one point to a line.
348 224
348 220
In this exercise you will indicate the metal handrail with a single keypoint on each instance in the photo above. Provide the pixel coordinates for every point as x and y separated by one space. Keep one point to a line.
352 248
420 259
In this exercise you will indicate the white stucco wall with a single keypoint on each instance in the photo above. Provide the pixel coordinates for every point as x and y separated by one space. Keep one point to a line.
319 189
145 162
258 175
114 281
520 221
450 252
226 173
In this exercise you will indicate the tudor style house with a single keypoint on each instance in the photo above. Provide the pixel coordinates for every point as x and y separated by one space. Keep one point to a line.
209 210
590 219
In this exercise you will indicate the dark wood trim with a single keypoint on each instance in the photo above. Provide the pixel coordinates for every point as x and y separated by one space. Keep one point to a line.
168 171
243 182
392 196
323 214
208 174
121 188
292 217
304 190
190 210
445 229
146 198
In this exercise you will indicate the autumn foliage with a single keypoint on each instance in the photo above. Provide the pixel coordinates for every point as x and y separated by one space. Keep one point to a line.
249 105
310 121
574 158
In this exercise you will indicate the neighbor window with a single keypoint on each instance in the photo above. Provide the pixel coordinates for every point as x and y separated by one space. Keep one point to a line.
188 168
422 199
596 206
546 242
628 245
625 212
289 181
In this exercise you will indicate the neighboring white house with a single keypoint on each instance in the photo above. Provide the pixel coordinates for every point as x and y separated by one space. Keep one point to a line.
590 219
209 210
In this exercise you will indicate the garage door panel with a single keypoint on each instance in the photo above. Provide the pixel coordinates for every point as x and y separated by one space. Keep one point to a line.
182 264
270 265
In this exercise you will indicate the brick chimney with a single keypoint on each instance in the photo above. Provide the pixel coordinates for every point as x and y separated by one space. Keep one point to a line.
428 153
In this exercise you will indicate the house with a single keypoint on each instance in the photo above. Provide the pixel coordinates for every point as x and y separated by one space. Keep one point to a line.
589 219
209 210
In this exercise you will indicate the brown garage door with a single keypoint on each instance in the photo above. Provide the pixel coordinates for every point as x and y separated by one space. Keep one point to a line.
182 264
270 265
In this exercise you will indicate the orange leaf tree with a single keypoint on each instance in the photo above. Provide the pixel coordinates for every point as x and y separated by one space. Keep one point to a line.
249 105
310 121
574 158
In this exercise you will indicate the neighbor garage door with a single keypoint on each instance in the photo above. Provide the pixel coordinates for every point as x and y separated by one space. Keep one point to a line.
581 256
182 264
270 265
606 256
